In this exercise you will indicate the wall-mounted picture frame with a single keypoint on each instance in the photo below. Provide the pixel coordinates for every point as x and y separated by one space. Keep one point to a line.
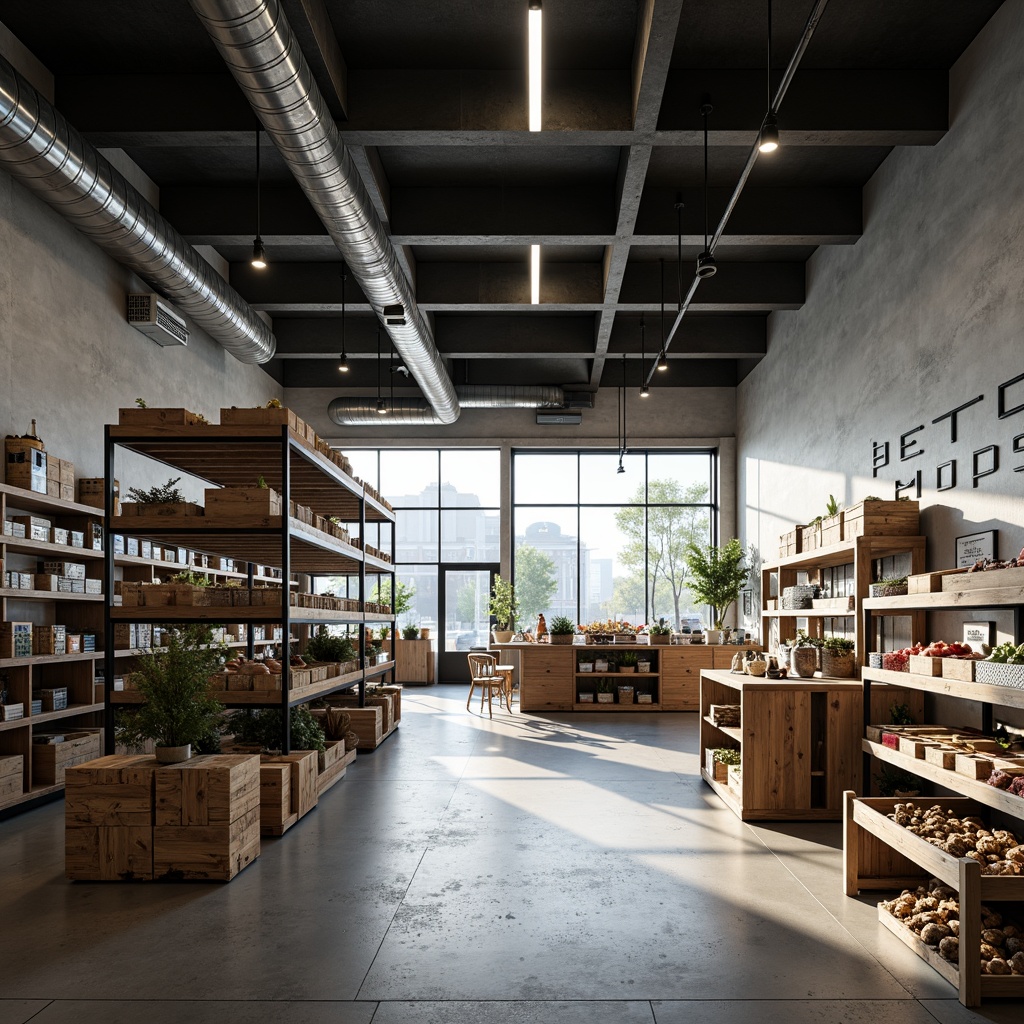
978 633
974 546
748 603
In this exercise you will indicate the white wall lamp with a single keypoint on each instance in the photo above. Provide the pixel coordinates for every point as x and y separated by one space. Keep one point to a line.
534 25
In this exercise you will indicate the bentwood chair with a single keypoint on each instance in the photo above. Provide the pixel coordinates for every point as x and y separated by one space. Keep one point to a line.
482 673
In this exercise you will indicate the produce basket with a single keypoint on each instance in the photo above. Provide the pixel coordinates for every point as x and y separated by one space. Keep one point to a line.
798 597
999 673
887 589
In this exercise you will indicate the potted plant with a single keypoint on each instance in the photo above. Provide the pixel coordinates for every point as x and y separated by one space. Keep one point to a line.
716 577
660 632
262 727
503 607
562 629
410 632
178 709
605 691
893 781
627 661
585 664
804 654
837 657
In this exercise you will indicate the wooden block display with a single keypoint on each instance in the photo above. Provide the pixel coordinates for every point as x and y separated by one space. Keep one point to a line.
207 817
50 761
12 773
395 693
276 814
108 818
303 768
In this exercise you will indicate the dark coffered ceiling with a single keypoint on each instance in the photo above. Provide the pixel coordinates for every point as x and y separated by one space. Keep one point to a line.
431 99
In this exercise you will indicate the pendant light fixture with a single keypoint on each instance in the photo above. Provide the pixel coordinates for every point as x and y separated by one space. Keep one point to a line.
259 254
382 406
622 417
644 389
343 362
706 266
662 363
770 128
535 23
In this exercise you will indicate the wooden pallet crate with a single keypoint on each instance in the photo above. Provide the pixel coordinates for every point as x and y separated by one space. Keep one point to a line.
50 761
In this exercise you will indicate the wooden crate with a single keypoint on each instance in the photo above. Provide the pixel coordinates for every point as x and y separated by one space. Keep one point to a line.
108 818
206 852
303 767
262 417
367 724
337 762
242 502
810 537
213 789
276 814
207 817
395 693
12 774
161 510
925 666
928 582
832 529
982 580
50 761
974 766
383 701
157 418
882 519
958 668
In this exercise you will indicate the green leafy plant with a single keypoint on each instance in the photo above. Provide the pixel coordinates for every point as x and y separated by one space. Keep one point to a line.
716 576
410 632
261 484
628 658
660 628
503 605
404 593
605 686
726 755
838 645
805 640
325 646
832 507
1007 654
177 707
899 714
166 494
195 579
141 403
893 581
384 632
562 625
262 726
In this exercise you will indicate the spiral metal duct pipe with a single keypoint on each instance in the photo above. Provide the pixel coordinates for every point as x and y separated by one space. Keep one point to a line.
263 55
42 151
357 412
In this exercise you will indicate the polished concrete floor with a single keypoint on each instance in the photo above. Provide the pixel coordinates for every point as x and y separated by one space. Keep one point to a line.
527 869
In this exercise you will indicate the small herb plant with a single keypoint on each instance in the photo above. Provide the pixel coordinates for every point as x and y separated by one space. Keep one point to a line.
195 579
562 625
628 658
410 632
899 714
838 645
141 403
660 628
832 508
605 686
726 755
324 646
166 494
891 781
262 726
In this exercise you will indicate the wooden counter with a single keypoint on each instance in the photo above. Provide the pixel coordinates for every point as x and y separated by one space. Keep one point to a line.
799 743
550 679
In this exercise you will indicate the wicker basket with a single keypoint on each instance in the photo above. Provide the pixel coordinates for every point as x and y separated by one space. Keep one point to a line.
798 597
887 590
999 674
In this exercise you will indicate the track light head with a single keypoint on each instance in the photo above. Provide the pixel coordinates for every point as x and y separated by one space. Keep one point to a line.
622 468
769 134
259 254
645 391
343 363
662 362
706 266
382 407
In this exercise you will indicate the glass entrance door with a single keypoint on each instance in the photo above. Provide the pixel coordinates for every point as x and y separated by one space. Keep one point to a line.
465 592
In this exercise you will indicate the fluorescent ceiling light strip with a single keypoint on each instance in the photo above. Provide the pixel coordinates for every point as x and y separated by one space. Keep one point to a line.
535 275
536 50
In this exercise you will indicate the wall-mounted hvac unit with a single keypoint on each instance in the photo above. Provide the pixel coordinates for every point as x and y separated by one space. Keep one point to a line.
152 316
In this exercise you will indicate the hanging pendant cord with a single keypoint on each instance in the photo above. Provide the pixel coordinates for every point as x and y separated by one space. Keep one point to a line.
662 305
679 250
623 404
705 110
258 232
344 279
769 55
378 362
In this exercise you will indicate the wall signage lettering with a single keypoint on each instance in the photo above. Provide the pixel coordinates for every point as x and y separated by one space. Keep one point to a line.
918 440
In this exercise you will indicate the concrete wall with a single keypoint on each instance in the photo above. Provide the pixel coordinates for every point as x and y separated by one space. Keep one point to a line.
923 314
69 360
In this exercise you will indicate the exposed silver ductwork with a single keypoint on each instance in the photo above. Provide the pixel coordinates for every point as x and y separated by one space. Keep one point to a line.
358 412
260 49
45 154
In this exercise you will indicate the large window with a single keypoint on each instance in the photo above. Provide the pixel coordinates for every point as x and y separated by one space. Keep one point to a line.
446 510
594 543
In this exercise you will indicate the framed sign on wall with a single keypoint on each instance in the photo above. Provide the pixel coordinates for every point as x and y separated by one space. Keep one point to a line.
974 546
978 633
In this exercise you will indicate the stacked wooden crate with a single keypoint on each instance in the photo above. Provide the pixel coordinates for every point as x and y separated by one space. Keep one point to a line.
288 789
12 772
207 822
108 818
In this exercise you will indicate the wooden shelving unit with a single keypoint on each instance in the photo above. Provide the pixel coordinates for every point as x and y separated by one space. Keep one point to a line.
879 854
861 553
81 613
237 456
797 740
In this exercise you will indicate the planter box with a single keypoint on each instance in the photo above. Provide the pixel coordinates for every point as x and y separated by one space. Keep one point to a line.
51 760
158 418
262 417
560 638
834 604
644 698
841 666
832 529
882 519
161 510
584 698
735 778
242 502
982 580
789 543
606 698
888 589
810 537
718 770
585 666
999 674
643 667
601 665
